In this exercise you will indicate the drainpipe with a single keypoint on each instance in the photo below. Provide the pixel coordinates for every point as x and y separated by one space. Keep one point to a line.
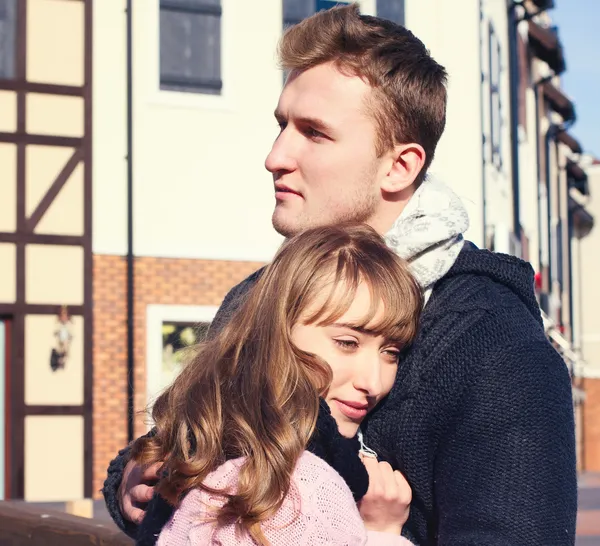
481 113
130 258
538 172
514 114
570 273
550 203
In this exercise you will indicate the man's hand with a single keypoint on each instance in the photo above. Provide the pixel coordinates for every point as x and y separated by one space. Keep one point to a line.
386 505
136 490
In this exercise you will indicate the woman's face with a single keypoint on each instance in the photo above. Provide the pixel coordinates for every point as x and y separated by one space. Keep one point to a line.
364 365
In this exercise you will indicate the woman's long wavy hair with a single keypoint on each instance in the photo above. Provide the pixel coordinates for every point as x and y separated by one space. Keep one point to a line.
249 391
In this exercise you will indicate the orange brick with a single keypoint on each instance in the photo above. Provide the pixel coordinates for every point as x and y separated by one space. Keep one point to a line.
591 425
165 281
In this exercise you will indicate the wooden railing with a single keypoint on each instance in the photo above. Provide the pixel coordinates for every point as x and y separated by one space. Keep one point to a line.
22 525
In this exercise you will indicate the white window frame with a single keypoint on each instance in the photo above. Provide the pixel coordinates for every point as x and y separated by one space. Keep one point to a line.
156 315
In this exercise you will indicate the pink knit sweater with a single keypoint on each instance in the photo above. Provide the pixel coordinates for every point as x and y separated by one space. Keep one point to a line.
319 510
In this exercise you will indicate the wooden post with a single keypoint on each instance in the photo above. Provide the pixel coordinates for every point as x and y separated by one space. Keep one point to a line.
84 508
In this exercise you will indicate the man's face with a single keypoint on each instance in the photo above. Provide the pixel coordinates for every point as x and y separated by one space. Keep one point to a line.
324 161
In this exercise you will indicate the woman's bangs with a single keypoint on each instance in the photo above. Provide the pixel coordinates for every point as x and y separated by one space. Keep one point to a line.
340 287
391 314
394 299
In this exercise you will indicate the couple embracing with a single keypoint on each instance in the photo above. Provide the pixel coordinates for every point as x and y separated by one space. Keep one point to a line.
382 381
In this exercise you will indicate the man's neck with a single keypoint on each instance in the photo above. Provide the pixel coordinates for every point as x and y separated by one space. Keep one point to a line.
387 214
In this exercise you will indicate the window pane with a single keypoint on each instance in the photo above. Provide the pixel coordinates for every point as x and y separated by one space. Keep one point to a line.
328 4
392 10
8 35
296 10
190 51
178 339
191 4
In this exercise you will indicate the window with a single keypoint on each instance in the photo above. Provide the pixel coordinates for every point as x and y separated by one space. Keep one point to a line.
392 10
326 4
177 339
296 10
495 69
8 35
170 331
190 46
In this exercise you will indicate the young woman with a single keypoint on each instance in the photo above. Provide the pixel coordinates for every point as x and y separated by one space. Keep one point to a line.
259 435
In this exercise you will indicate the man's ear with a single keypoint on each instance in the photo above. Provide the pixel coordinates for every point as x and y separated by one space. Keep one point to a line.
407 162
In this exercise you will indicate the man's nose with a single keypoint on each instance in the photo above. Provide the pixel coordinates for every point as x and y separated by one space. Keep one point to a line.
281 157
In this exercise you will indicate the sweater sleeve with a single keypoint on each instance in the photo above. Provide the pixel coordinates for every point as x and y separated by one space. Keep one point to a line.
505 473
340 521
319 509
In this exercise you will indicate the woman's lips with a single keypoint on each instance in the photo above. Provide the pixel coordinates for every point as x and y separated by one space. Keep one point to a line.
352 410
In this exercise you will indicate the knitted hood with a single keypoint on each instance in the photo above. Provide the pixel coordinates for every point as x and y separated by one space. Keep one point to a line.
509 271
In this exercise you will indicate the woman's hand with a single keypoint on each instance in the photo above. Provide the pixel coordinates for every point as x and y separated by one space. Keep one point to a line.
386 505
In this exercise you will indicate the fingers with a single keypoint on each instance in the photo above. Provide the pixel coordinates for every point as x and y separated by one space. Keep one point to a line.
137 495
381 476
141 493
404 490
386 505
387 481
137 488
372 466
133 514
150 474
129 511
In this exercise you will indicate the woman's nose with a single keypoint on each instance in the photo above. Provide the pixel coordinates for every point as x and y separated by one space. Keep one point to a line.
367 375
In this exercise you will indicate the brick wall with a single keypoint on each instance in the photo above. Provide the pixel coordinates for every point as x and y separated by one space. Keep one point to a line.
591 425
157 281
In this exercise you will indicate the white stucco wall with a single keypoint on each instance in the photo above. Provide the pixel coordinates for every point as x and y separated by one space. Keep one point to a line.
589 303
453 37
200 186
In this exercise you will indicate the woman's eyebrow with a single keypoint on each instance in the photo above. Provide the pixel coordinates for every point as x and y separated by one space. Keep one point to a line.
359 329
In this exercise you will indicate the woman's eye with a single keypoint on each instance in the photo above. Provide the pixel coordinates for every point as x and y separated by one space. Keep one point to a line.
393 354
346 343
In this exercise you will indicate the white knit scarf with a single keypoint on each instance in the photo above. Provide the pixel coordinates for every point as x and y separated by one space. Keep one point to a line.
429 232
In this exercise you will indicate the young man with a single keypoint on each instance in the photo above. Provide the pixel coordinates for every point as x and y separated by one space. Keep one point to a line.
480 420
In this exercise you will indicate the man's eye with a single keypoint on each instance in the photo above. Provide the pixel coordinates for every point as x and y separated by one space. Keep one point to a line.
313 133
282 125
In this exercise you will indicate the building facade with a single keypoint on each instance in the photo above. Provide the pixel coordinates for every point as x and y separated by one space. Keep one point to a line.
586 320
133 195
46 249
